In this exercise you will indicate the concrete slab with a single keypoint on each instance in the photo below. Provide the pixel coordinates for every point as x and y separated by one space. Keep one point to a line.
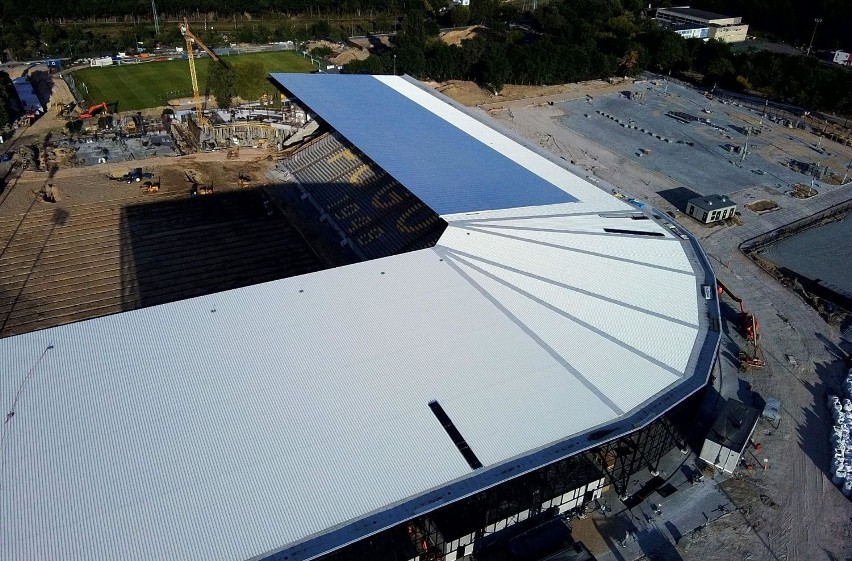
693 153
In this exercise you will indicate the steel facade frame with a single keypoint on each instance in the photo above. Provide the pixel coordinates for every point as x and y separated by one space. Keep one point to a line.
430 537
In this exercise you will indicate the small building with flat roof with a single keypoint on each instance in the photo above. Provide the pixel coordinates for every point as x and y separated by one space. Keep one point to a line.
711 208
729 435
842 57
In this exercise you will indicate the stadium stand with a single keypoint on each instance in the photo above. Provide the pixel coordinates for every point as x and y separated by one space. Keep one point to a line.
373 213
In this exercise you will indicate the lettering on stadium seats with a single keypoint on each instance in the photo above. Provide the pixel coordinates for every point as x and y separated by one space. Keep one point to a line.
358 173
389 196
370 235
358 222
404 227
345 154
347 211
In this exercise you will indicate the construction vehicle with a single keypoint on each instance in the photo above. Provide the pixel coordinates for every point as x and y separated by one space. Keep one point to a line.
94 109
63 109
190 39
49 193
197 190
135 174
151 186
750 328
749 324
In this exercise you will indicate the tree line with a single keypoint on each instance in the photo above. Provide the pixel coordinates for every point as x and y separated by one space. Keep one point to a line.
568 41
81 10
6 91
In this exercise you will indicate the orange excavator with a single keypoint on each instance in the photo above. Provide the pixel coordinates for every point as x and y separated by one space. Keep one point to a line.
102 106
750 327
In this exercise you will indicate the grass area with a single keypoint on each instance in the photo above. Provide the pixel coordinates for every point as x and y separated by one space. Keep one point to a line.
144 85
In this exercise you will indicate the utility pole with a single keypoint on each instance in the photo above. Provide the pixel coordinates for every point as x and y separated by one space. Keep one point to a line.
817 21
156 18
745 146
762 117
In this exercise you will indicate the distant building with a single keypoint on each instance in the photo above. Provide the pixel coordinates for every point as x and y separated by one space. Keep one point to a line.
719 27
842 57
729 436
689 30
711 208
103 61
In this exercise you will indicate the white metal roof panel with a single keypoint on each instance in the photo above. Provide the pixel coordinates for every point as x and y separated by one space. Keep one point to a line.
293 416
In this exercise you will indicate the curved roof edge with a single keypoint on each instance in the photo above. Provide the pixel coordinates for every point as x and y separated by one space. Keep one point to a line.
701 362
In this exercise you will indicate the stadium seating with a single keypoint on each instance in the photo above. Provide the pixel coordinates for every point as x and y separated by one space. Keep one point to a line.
369 208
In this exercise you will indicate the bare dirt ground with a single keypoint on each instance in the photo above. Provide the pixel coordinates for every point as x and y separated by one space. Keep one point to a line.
471 94
107 246
50 121
791 511
89 184
340 54
456 36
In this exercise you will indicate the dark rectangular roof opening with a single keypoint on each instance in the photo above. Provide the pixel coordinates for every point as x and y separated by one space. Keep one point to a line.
633 232
455 435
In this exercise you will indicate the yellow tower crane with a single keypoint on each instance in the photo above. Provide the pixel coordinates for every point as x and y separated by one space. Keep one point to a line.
190 39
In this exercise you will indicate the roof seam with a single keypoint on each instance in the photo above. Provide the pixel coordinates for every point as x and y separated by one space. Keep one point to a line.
575 319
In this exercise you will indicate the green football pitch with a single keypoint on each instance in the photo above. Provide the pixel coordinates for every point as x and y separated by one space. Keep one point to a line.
151 84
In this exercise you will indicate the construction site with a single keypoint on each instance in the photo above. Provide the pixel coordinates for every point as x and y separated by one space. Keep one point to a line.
136 211
785 342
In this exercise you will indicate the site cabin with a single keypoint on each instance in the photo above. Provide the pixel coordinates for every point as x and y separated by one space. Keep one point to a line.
731 433
712 208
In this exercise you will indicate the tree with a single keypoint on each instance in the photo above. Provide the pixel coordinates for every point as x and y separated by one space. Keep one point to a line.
629 61
497 68
5 87
373 64
459 16
483 9
721 71
670 51
249 77
321 30
220 83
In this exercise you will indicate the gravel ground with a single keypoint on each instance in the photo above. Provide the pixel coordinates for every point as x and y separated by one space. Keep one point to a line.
791 511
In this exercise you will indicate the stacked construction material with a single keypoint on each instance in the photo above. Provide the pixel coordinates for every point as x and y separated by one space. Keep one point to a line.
841 412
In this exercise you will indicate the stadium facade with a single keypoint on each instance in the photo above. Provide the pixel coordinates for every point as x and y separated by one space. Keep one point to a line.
509 340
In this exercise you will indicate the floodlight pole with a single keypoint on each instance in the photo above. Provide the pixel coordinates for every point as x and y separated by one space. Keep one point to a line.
745 146
817 21
156 19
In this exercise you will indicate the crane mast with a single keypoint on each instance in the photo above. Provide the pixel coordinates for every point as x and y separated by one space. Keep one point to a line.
190 39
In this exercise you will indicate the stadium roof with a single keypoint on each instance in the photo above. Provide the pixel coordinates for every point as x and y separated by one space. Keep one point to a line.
287 419
427 145
696 13
26 94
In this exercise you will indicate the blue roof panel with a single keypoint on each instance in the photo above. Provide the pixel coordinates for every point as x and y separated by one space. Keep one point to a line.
445 167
